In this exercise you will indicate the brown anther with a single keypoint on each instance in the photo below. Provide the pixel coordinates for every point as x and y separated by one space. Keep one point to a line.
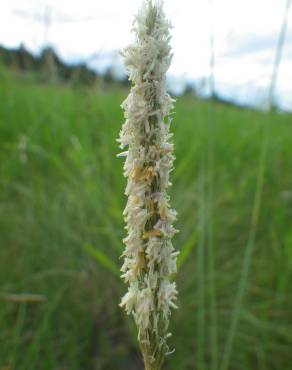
136 172
163 211
141 263
145 174
150 233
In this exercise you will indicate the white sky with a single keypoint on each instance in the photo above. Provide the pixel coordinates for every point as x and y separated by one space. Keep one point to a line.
246 33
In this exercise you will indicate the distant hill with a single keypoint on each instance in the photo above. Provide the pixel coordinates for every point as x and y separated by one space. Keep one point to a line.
49 66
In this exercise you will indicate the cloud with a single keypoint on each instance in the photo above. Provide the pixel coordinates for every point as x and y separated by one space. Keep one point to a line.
255 44
246 34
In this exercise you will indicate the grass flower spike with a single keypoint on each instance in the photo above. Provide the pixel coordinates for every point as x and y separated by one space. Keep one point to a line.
149 257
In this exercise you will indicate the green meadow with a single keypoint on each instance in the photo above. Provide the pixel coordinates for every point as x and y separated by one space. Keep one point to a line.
61 230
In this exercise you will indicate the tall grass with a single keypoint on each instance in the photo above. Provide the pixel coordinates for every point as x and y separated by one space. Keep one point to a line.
64 202
246 265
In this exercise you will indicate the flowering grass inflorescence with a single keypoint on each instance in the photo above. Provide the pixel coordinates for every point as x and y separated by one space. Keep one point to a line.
149 257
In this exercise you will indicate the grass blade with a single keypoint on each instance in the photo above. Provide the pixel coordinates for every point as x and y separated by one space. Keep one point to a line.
187 249
210 242
200 279
248 254
17 335
103 260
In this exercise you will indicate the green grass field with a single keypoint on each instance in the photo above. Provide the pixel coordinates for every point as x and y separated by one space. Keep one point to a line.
61 191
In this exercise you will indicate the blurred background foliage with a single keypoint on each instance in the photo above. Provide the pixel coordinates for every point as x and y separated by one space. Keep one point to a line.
61 194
